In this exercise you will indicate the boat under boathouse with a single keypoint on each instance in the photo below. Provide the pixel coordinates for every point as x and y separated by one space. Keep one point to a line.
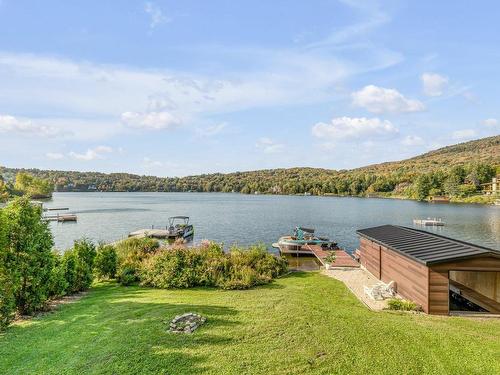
441 274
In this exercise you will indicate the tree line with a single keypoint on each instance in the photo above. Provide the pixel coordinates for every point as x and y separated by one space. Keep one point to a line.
406 181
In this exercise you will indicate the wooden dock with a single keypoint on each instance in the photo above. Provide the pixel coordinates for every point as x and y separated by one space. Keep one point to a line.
150 233
61 218
342 258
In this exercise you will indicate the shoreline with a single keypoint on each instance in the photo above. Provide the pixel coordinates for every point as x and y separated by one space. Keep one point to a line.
398 197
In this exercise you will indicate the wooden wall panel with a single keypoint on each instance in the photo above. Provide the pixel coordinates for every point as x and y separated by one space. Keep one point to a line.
370 256
412 278
438 292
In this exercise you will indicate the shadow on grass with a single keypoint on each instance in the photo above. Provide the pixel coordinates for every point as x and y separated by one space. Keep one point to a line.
115 330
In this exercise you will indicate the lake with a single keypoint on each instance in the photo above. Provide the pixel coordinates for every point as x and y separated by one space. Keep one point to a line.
247 219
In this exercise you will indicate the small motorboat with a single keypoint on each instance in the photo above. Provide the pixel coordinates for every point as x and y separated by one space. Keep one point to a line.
302 236
435 222
179 227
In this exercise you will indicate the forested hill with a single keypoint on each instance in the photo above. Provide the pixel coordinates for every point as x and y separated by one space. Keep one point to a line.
485 150
456 171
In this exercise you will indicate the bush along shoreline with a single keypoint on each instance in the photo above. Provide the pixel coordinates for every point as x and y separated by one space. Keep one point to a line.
144 262
32 274
208 265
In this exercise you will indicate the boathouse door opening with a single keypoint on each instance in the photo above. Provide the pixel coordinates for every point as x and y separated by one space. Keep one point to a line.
474 291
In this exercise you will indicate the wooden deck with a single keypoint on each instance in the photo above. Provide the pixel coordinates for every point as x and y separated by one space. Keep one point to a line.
343 259
60 217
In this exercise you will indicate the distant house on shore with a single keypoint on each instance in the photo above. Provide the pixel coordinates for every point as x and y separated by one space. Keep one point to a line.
493 187
276 189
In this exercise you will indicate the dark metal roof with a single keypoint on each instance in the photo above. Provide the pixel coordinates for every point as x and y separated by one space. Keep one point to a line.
422 246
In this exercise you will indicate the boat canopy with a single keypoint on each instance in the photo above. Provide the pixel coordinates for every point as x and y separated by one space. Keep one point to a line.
302 233
172 219
308 230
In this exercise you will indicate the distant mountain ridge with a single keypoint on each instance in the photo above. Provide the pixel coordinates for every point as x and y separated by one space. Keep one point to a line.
452 170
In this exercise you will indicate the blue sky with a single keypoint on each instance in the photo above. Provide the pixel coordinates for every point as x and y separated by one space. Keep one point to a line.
173 88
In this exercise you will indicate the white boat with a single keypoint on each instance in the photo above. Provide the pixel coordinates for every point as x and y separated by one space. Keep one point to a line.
302 236
429 222
497 202
179 227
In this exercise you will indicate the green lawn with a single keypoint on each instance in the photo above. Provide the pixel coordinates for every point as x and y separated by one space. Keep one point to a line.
303 323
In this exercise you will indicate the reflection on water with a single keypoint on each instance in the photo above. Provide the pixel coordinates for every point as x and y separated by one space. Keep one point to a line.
248 219
303 262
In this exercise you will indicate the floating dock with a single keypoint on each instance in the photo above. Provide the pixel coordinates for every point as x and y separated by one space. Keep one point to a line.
429 222
60 217
150 233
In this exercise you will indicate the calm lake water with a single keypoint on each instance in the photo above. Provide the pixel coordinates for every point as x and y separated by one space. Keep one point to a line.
247 219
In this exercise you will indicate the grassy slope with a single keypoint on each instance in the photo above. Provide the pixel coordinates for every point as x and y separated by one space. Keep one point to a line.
304 323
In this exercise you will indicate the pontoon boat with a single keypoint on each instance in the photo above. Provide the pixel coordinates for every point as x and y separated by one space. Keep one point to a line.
179 227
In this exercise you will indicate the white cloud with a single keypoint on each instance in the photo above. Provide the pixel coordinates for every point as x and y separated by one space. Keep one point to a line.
54 155
464 134
211 130
372 18
491 122
89 98
156 14
83 90
149 163
412 140
27 127
268 146
150 120
380 100
91 153
470 96
348 128
434 84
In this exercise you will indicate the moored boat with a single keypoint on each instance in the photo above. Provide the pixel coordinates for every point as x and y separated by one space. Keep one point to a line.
294 244
179 227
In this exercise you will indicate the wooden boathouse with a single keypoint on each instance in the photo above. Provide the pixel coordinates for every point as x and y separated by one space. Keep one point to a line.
441 274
